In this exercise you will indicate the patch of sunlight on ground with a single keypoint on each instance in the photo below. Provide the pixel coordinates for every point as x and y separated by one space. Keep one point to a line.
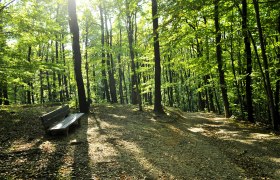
116 116
277 160
66 167
139 156
225 131
249 142
175 129
217 119
106 125
21 145
102 152
261 136
48 147
195 129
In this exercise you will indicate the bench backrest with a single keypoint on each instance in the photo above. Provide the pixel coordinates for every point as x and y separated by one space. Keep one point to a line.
53 117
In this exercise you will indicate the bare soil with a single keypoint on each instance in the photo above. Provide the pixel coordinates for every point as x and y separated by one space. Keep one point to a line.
119 142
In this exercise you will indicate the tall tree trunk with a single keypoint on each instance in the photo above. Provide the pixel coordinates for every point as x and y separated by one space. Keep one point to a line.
41 55
29 83
87 64
48 76
106 93
110 64
74 28
130 33
120 67
277 91
223 85
65 80
1 92
157 101
54 95
248 56
170 89
266 69
5 93
58 74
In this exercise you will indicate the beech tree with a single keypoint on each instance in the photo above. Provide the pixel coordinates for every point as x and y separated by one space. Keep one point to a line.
157 105
74 28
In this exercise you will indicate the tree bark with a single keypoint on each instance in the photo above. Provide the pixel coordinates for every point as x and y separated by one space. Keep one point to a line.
248 55
223 85
106 93
157 101
29 83
266 69
277 91
120 68
65 80
130 33
87 64
110 64
74 28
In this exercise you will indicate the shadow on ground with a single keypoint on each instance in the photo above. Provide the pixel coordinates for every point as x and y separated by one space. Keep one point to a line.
119 142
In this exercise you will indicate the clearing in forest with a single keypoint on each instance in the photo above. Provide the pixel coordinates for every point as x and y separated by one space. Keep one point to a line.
119 142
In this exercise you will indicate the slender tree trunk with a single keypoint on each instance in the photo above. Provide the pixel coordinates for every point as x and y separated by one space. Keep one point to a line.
132 55
1 92
171 98
277 91
157 101
58 74
106 93
29 83
248 56
74 28
65 80
87 64
110 64
223 85
40 55
5 93
269 92
53 77
47 75
120 68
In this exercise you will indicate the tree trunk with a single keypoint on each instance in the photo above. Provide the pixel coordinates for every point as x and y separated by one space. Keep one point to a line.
29 83
65 80
110 64
223 85
106 93
132 55
157 101
87 64
277 91
58 74
248 56
120 68
266 69
74 28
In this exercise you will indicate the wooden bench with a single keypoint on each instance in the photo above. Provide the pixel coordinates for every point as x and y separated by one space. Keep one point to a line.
60 120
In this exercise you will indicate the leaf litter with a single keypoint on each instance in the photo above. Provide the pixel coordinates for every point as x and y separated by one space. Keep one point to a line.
119 142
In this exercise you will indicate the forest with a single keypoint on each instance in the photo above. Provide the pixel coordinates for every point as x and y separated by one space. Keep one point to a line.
219 56
185 89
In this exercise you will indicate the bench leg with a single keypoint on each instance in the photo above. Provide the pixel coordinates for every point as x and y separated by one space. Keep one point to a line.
66 132
79 122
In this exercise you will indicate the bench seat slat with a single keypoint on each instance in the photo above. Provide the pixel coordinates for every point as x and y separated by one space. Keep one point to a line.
67 121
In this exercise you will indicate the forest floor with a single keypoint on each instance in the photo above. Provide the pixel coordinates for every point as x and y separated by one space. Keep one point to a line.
119 142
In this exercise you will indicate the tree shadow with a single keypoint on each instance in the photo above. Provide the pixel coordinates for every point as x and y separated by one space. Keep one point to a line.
81 164
155 148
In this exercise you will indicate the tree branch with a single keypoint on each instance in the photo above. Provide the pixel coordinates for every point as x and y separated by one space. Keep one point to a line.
6 5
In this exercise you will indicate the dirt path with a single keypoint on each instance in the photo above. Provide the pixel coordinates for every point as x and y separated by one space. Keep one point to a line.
118 142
